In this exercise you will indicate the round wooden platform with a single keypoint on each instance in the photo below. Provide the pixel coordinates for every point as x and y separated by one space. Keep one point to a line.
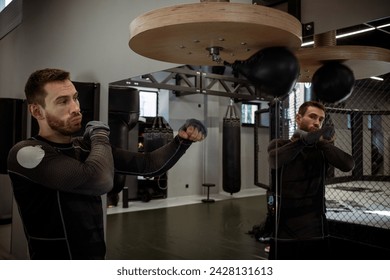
184 34
364 61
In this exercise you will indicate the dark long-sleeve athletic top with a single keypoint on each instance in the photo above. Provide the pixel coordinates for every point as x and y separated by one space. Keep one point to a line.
301 171
58 190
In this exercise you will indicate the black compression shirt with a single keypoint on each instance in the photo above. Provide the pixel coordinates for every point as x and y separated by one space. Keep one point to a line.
58 187
300 184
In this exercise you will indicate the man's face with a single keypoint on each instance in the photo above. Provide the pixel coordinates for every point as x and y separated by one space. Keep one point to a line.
312 120
62 110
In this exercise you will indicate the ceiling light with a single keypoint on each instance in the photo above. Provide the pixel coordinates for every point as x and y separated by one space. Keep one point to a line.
354 32
383 26
376 78
309 43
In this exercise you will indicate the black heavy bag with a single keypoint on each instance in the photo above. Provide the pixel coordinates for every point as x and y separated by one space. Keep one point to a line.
119 131
123 107
231 151
155 137
158 135
12 125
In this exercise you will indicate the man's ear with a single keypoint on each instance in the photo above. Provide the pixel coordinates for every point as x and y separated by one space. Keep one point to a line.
36 111
298 118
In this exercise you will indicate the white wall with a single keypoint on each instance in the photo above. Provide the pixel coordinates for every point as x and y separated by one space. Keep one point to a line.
89 38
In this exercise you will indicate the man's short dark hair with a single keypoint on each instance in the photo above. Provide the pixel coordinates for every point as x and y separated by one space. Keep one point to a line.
34 86
303 108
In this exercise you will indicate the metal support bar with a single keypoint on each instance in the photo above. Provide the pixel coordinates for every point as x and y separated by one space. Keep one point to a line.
185 81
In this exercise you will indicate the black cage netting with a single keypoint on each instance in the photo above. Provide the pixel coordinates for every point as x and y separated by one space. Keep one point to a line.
362 124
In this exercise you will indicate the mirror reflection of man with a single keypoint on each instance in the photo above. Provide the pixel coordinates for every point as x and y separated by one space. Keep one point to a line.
301 164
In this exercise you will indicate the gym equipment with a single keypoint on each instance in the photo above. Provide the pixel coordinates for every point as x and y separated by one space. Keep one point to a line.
208 33
12 125
124 104
333 82
208 199
364 61
231 151
237 31
274 70
123 116
156 133
13 128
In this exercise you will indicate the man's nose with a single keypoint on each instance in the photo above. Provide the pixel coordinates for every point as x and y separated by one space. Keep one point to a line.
75 107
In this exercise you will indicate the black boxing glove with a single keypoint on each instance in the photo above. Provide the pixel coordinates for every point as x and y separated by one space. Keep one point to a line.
312 138
96 128
328 132
196 124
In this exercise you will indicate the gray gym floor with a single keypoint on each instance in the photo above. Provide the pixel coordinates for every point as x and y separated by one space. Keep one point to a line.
192 231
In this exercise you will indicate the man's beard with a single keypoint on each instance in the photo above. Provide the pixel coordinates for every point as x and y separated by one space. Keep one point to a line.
307 128
66 127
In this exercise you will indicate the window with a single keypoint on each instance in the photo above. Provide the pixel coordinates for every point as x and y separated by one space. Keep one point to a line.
248 113
296 98
10 15
4 3
264 118
248 110
148 103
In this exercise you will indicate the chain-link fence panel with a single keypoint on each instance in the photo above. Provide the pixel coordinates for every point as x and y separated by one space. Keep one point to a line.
362 124
359 198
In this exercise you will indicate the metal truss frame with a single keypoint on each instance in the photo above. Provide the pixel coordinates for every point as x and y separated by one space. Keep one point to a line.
187 80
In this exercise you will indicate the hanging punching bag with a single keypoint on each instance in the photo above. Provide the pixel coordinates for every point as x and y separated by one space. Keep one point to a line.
158 135
274 70
333 82
123 116
12 125
231 151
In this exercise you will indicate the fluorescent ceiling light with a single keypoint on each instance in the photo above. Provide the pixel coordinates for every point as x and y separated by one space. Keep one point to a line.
307 43
383 26
376 78
355 32
348 34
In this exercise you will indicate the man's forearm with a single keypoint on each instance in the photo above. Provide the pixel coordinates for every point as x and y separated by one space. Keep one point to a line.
336 157
283 151
153 163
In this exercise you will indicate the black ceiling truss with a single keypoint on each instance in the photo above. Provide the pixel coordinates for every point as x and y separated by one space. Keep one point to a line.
187 80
